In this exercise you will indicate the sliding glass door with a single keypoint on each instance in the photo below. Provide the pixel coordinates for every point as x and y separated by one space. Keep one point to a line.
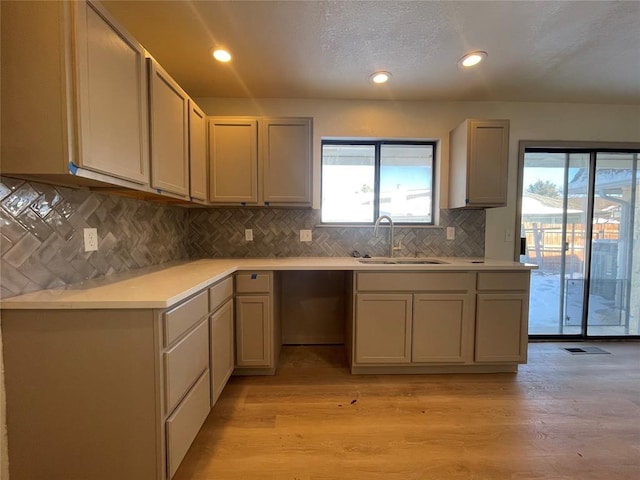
615 260
579 212
555 226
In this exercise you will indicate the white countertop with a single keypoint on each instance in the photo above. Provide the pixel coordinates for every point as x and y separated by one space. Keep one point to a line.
166 285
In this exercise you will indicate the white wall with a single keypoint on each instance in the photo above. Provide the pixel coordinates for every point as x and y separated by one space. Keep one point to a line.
427 120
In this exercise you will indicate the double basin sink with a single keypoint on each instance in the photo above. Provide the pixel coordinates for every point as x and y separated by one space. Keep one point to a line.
401 261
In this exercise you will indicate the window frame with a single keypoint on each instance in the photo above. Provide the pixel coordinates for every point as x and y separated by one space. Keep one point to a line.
377 144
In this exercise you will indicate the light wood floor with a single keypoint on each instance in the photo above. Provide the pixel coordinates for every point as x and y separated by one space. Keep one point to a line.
561 417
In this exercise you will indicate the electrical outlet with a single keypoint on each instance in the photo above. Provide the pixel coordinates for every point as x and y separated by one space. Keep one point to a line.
451 233
508 235
248 235
305 235
90 239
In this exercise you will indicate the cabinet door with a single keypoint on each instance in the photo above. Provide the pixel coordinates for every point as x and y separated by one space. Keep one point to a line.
286 160
185 422
383 328
169 114
501 327
488 152
222 349
442 328
112 93
253 331
233 160
197 152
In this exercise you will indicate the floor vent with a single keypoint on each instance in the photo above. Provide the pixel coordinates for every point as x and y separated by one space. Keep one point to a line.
586 350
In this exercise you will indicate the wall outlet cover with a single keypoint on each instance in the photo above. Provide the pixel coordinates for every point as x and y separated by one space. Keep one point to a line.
248 235
305 235
451 233
90 239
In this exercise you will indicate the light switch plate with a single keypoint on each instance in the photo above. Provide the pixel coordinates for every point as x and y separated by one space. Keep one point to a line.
508 235
305 235
90 239
248 235
451 233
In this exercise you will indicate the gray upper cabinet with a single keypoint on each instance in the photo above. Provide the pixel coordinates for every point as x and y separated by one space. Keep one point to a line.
169 115
260 161
85 77
233 160
286 160
198 173
478 164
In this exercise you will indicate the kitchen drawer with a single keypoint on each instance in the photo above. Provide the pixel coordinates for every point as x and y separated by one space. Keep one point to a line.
181 318
253 282
414 281
183 425
220 292
184 363
503 281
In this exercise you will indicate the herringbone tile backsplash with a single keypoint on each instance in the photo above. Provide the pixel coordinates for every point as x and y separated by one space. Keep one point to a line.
220 233
41 235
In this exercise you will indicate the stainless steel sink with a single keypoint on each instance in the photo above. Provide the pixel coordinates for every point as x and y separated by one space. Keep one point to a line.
402 261
420 261
377 261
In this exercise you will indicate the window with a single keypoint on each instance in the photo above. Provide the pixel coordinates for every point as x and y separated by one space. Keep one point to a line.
362 180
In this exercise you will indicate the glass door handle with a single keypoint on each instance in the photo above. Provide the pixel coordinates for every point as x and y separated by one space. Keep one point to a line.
523 245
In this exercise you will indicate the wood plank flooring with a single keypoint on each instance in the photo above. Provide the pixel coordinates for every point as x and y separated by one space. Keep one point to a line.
561 416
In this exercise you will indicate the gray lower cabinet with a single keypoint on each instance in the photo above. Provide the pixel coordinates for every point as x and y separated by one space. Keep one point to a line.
501 317
500 329
83 394
117 393
442 328
185 422
222 348
221 329
438 319
258 337
254 345
421 318
383 326
186 378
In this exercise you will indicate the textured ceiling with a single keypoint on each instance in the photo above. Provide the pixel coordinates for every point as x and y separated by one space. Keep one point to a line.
551 51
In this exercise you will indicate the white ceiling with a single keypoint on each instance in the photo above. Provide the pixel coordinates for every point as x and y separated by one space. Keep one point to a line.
551 51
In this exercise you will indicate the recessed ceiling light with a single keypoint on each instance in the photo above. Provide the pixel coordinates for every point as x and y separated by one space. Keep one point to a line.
472 58
221 55
380 77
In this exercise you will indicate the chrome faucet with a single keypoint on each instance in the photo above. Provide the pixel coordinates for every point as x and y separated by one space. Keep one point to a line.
392 247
